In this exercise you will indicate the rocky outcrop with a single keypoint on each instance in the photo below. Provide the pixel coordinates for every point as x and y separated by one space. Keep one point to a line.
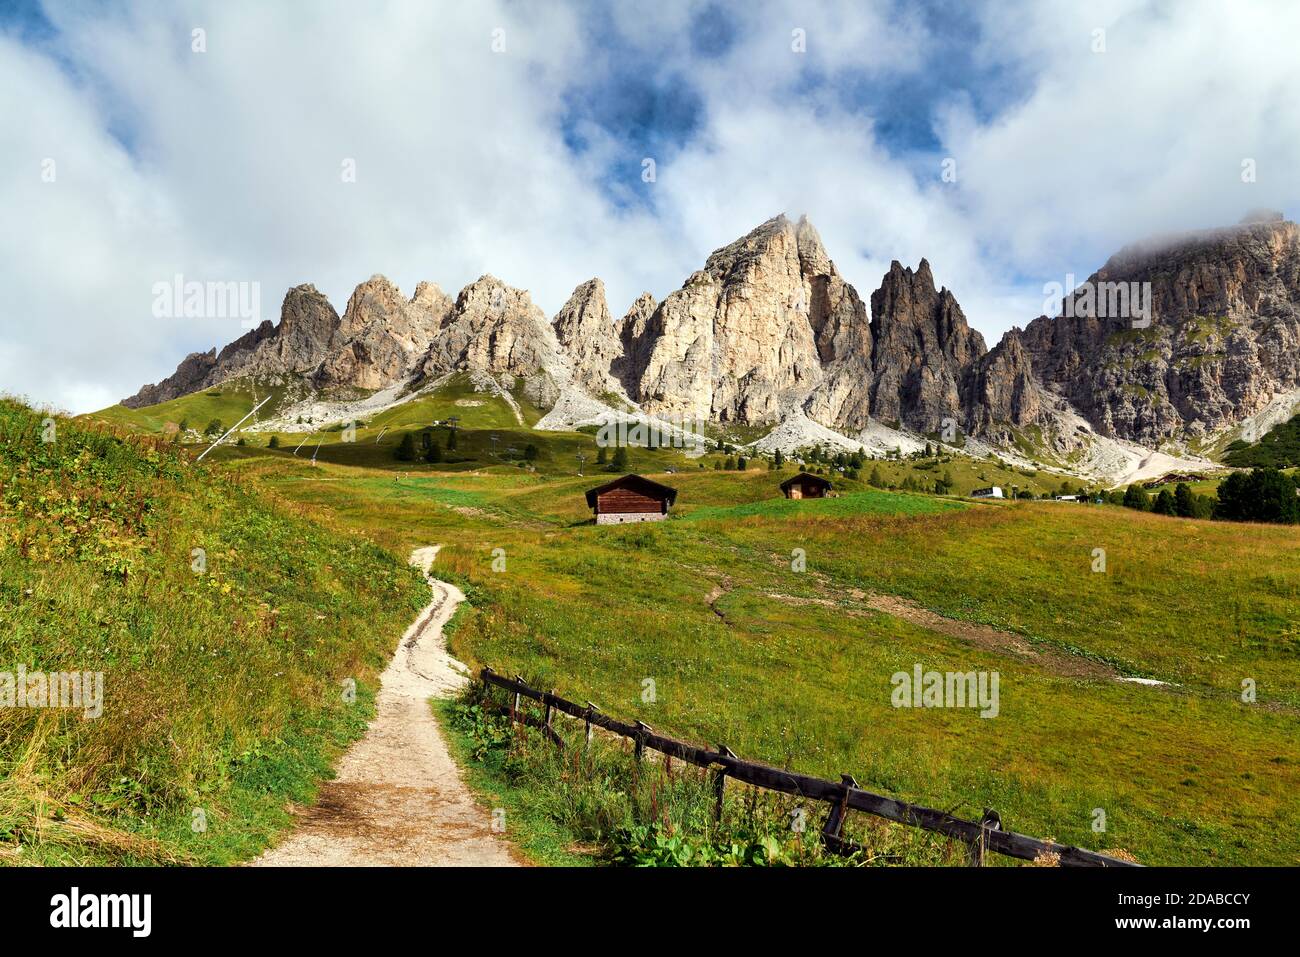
308 324
586 332
382 335
1000 394
496 330
923 349
743 340
636 344
1223 337
1171 339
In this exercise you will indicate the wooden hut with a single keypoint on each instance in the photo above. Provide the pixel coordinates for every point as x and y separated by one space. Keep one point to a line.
631 498
805 485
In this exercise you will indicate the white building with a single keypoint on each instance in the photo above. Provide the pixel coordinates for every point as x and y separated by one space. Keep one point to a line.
994 492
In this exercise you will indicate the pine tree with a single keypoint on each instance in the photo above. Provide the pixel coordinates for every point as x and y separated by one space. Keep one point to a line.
434 452
451 439
620 459
1135 497
274 443
1184 500
602 455
1164 503
778 460
406 448
876 481
741 464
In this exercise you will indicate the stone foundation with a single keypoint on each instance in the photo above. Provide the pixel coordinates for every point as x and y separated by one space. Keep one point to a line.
620 518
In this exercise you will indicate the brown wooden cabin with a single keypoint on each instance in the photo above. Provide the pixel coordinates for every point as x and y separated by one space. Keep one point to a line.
631 498
805 485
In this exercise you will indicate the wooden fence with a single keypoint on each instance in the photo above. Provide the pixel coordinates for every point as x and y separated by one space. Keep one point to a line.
842 796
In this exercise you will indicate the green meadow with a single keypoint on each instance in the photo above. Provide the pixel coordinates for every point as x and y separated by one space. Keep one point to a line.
769 625
794 667
229 625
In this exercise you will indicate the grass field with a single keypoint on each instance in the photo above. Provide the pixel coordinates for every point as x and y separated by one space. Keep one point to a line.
794 667
774 626
223 623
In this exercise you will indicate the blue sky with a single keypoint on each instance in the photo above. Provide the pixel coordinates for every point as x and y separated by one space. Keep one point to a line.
511 137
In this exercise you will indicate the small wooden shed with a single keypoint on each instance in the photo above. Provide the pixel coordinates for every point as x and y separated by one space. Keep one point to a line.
631 498
805 485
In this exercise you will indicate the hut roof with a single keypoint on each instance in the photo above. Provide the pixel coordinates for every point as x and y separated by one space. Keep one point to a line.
636 483
805 478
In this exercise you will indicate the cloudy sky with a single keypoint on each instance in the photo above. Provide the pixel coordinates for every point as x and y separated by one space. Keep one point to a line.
512 138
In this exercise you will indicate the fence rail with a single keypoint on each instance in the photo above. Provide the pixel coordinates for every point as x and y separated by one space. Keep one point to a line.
842 796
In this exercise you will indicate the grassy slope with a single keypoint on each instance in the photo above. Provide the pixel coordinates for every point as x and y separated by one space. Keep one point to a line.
789 667
222 689
228 402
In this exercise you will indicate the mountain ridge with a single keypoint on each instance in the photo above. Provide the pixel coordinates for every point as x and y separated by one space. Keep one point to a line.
768 329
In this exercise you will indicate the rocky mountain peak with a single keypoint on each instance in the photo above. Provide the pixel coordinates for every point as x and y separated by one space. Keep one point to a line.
586 331
635 342
497 331
923 348
1217 337
430 297
736 343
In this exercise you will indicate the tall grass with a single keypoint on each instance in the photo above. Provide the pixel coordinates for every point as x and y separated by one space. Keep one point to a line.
224 626
599 802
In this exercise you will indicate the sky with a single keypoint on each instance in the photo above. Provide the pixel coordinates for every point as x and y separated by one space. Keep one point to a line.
278 143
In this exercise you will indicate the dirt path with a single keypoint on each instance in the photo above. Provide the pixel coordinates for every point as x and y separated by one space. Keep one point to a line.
399 798
994 639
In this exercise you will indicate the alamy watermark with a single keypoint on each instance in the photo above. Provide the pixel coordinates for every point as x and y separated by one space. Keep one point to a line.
1100 300
82 690
678 432
182 299
950 689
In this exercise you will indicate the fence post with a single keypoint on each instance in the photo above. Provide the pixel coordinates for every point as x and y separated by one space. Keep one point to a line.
839 810
487 685
720 783
550 698
590 708
991 821
515 710
641 730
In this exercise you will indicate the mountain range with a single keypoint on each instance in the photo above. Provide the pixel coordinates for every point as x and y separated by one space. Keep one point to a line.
1201 339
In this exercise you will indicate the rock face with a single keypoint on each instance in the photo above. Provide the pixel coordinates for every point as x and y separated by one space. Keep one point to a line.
381 335
999 392
1223 337
308 323
586 332
923 350
743 340
496 330
636 344
768 331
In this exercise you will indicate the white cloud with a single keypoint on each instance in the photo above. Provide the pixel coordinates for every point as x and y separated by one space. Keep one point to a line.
231 168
